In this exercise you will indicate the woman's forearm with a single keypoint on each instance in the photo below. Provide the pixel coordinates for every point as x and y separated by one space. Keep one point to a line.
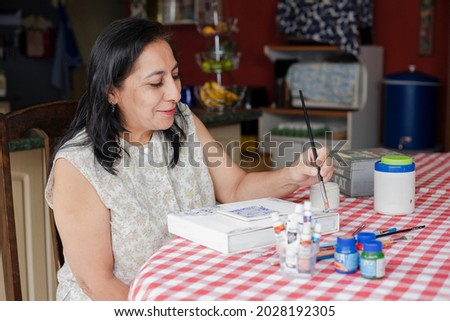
281 182
265 184
105 289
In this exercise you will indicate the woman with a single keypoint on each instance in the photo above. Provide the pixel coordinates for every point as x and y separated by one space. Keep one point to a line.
132 155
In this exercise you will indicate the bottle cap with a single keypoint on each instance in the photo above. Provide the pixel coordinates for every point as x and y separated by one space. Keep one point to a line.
364 237
346 241
386 168
275 216
317 228
307 205
396 160
373 246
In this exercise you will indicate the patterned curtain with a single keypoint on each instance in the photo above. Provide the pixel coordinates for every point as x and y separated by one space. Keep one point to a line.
327 21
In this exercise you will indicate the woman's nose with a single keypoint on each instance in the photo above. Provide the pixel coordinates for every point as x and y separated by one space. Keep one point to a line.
173 90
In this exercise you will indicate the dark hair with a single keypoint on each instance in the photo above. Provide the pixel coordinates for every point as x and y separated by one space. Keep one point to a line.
112 58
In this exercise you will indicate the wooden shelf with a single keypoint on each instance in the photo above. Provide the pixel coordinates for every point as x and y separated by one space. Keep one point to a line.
302 48
297 52
311 112
361 128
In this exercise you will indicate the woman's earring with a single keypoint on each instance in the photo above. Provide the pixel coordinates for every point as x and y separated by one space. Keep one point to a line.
113 108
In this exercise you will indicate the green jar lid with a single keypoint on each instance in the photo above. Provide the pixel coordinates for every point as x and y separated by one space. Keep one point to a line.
396 160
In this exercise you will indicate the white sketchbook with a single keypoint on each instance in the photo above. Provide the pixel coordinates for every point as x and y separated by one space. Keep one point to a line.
239 226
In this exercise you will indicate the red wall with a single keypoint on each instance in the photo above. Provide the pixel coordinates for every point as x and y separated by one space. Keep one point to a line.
256 23
396 29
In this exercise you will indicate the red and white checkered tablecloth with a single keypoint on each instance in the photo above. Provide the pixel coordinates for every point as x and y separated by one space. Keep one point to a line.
418 269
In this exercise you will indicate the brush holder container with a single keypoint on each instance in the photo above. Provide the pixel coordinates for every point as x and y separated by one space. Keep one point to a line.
315 196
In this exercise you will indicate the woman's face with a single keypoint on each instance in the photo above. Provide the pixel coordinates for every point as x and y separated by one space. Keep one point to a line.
148 96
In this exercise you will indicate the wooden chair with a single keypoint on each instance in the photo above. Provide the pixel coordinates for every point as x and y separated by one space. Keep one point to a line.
48 121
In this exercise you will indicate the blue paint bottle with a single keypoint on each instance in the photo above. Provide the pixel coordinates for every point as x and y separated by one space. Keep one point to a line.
361 238
345 255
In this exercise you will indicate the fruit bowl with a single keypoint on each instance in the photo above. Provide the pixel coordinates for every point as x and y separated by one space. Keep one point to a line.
207 27
211 62
215 97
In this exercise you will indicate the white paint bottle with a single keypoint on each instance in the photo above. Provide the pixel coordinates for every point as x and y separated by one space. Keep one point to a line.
394 185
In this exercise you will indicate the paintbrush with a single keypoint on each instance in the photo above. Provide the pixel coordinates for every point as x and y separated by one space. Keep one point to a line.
392 229
329 254
359 229
326 246
395 240
401 231
313 147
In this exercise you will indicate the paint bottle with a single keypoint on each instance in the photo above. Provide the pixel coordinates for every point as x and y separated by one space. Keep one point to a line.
317 234
372 260
307 214
299 209
292 243
305 250
362 238
280 236
394 185
345 255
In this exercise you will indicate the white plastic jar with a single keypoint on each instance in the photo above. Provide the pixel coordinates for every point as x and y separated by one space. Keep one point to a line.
315 196
394 185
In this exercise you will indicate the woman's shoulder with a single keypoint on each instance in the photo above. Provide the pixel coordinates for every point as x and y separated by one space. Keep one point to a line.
77 145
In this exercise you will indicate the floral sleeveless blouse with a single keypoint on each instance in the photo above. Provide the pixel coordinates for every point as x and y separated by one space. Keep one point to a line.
139 197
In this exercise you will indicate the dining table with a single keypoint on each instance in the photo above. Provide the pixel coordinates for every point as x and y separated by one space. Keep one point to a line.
415 269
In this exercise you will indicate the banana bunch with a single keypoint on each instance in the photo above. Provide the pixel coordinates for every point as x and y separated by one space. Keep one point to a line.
214 95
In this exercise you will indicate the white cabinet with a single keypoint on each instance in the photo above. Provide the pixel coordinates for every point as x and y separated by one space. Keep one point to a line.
359 128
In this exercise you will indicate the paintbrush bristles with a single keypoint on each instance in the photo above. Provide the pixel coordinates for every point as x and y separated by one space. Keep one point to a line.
404 237
389 242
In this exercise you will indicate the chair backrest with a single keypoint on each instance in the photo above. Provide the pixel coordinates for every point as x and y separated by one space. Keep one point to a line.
49 122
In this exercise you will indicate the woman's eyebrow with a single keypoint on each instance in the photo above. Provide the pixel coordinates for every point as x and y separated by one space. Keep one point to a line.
160 72
155 73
